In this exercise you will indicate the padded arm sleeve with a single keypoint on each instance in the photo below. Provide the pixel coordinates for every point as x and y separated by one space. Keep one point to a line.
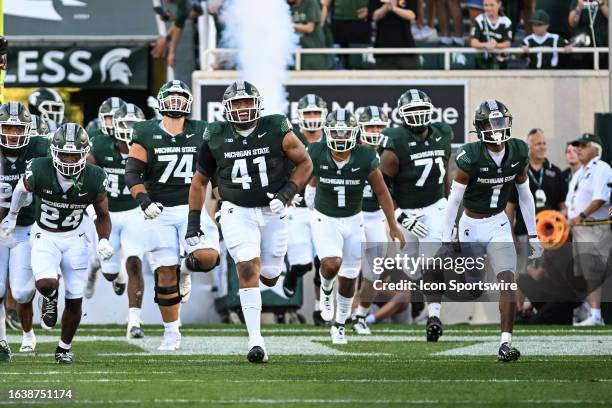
454 201
527 206
21 198
134 169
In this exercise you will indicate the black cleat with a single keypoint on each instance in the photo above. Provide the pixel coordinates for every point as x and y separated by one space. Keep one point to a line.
507 353
136 333
5 352
119 288
49 312
318 320
289 284
257 355
433 329
63 356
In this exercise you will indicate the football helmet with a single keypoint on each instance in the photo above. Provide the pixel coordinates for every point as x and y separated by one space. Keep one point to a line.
48 104
15 123
493 122
311 103
124 120
372 116
175 99
39 127
552 229
69 148
106 111
240 91
340 130
415 108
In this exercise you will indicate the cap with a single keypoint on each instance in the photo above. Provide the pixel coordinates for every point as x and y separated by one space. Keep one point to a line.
540 16
589 137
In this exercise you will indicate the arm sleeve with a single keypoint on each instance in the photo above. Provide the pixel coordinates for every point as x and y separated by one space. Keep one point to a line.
206 164
21 198
527 206
134 169
450 215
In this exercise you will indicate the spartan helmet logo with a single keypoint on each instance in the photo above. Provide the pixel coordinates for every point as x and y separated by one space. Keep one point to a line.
113 68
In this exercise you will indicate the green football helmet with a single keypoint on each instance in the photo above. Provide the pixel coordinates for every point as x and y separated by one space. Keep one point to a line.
40 127
124 120
106 111
48 104
372 117
15 123
312 111
175 99
340 130
493 122
416 109
69 148
240 91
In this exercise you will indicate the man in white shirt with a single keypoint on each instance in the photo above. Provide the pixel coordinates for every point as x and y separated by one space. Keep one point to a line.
587 201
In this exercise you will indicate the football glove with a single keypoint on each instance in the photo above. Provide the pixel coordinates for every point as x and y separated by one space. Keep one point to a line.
309 196
8 225
105 250
297 200
413 224
535 248
276 205
194 232
150 209
279 199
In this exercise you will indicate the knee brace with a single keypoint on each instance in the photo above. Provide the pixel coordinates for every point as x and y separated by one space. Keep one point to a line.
301 270
167 290
192 263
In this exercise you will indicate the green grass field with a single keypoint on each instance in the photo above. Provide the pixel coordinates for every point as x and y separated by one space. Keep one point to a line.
561 366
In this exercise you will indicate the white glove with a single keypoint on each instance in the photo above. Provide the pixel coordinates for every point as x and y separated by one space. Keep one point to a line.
8 225
276 205
105 250
413 224
309 196
297 199
153 211
535 248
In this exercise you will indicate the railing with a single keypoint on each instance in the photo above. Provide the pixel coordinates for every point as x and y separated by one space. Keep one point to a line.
447 52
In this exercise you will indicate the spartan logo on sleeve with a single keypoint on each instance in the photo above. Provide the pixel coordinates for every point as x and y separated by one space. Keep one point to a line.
113 68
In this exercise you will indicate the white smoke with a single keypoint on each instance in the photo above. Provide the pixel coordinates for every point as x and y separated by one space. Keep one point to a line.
262 31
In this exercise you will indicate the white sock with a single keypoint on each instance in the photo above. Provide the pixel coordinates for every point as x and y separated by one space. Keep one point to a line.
250 300
344 308
2 322
64 345
370 319
506 337
317 306
28 335
134 316
327 284
172 327
596 314
362 311
434 309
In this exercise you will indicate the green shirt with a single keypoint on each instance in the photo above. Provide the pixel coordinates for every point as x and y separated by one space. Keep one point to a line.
247 167
309 11
540 60
347 9
340 190
107 155
422 164
98 134
170 159
58 210
12 172
490 186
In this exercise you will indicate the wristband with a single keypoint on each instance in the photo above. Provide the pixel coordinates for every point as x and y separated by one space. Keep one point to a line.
144 200
194 217
286 192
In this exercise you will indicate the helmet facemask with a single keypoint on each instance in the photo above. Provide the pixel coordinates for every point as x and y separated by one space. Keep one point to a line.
51 110
341 137
416 115
312 118
176 104
14 134
241 113
371 132
496 130
68 160
106 121
124 127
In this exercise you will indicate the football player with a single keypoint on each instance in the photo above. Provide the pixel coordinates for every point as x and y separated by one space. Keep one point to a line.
250 156
341 169
111 154
159 169
64 185
49 105
17 148
40 127
312 111
415 162
372 121
105 117
487 172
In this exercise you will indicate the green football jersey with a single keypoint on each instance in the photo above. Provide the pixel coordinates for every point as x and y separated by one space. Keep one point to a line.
249 167
490 186
422 164
340 191
107 155
58 210
12 172
97 134
170 160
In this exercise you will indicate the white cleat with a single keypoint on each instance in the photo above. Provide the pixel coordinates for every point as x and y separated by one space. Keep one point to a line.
338 335
360 326
590 321
170 342
326 303
185 285
28 344
257 351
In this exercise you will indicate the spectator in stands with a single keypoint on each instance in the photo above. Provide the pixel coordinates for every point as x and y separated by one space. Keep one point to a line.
491 31
557 10
571 156
393 18
587 18
306 16
452 7
540 22
475 8
424 30
350 25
